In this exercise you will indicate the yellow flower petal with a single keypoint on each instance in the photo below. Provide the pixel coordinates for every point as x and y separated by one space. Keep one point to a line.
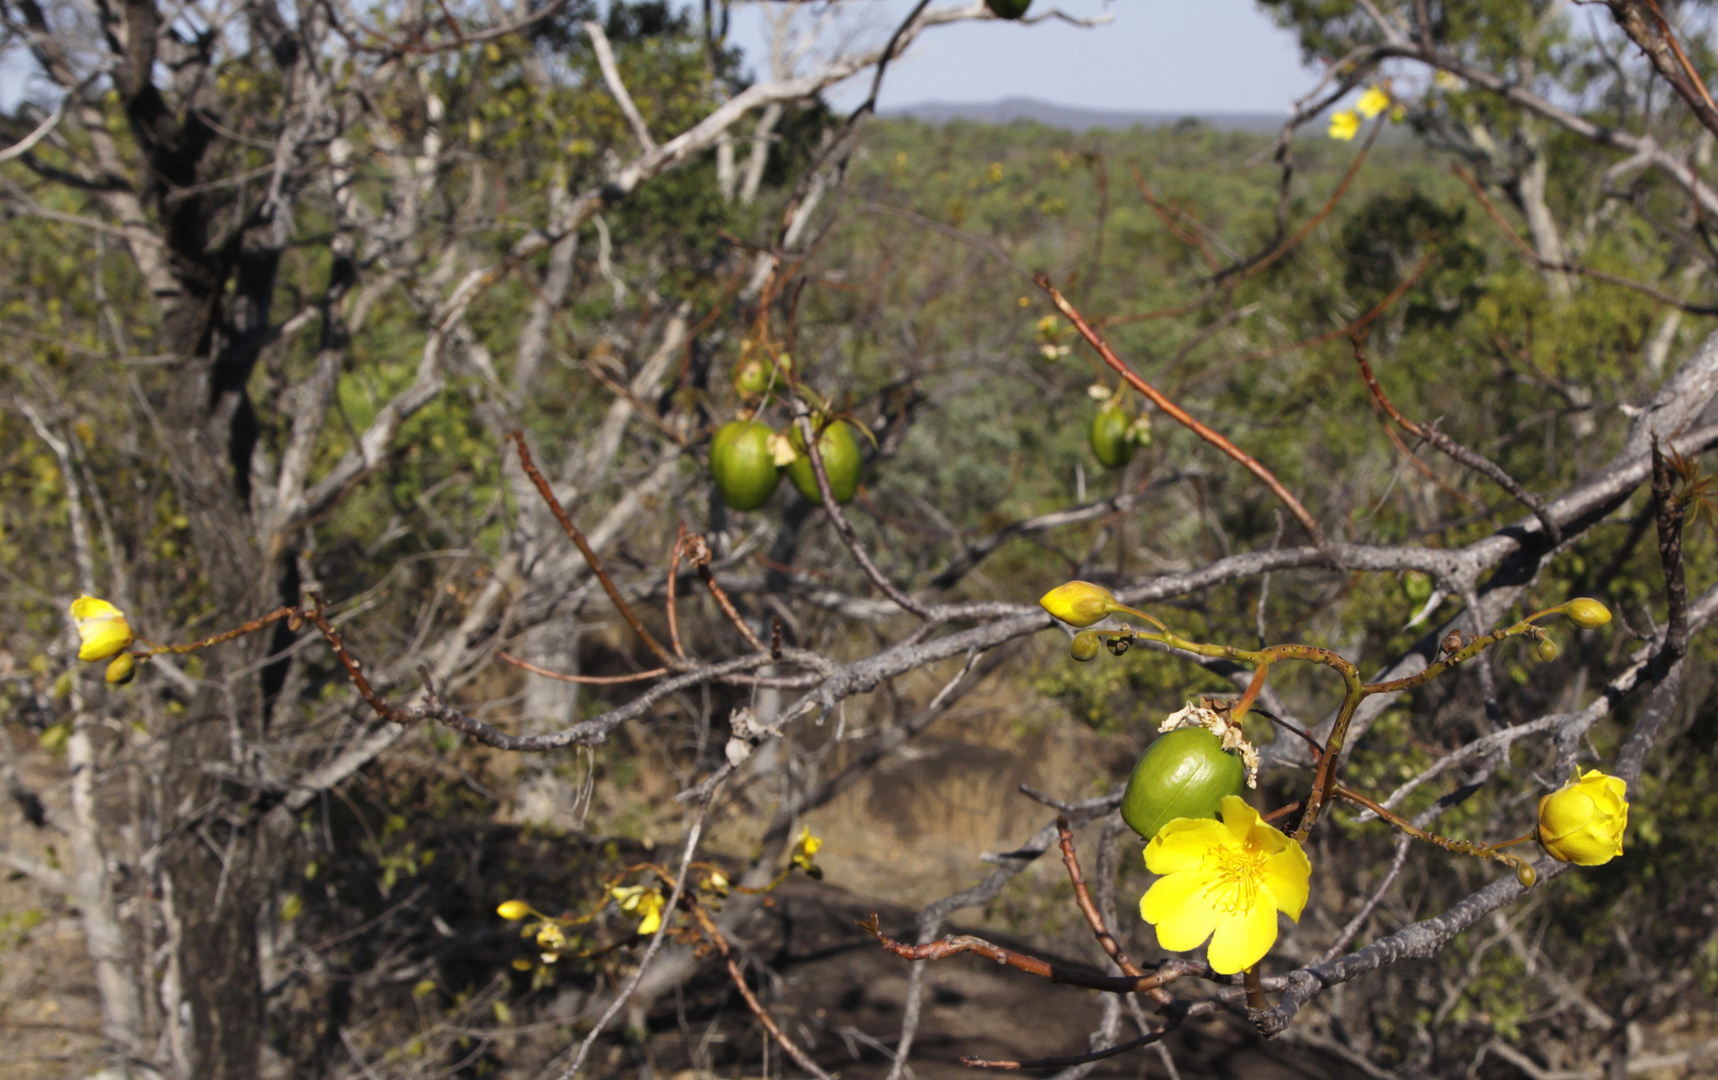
1372 102
652 922
1344 126
1243 938
1287 875
101 628
1176 905
1240 819
1182 844
91 607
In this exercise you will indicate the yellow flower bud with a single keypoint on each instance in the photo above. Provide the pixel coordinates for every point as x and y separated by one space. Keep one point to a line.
513 910
102 629
1587 614
122 670
1079 603
1085 646
1583 821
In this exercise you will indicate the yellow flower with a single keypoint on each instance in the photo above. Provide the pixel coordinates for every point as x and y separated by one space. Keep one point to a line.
642 903
550 940
1372 102
805 852
1583 821
1586 613
1079 603
513 910
102 628
1344 125
1225 881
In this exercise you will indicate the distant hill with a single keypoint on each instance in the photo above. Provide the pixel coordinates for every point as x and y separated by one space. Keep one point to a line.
1075 118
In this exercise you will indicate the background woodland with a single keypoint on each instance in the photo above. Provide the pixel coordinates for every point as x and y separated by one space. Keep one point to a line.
281 280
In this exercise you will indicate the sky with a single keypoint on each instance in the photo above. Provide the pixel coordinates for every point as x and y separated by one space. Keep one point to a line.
1180 56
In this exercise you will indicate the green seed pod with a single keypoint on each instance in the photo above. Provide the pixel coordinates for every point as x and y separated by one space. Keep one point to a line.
752 378
1110 442
1084 647
1547 650
1184 774
743 465
841 460
1008 9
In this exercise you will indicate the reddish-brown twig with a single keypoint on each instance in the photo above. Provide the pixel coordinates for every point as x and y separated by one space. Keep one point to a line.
954 944
591 560
354 670
788 1046
1243 270
592 680
698 553
1542 263
1472 459
673 580
1083 897
1176 412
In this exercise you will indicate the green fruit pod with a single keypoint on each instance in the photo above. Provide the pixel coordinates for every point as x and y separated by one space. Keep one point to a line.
1184 774
1008 9
751 378
1547 650
1416 586
841 461
743 465
1110 442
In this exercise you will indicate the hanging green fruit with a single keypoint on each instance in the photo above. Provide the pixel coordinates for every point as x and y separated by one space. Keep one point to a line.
754 377
841 461
1111 443
1183 774
743 464
1008 9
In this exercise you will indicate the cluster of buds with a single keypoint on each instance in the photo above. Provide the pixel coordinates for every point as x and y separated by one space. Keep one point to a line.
104 634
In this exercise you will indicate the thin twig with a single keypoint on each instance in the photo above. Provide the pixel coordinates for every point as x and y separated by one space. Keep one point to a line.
698 552
843 528
1065 836
1032 965
789 1047
1180 415
673 580
591 560
1471 458
591 680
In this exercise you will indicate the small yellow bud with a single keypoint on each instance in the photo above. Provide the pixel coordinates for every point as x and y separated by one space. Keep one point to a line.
513 910
1525 874
122 670
1085 646
1547 650
1583 821
1079 603
1587 614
